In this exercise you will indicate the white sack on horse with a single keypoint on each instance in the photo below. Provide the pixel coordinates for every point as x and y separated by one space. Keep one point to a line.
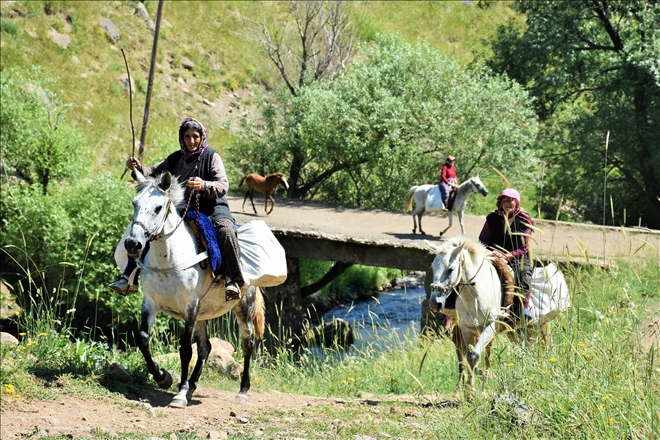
433 202
263 260
121 255
549 293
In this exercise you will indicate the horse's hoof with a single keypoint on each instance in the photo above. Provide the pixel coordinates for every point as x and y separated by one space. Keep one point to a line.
166 383
179 402
241 398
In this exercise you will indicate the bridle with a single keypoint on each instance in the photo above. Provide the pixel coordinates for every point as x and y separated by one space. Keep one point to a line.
152 236
459 285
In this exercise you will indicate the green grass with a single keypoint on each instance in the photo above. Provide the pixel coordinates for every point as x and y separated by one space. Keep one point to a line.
593 381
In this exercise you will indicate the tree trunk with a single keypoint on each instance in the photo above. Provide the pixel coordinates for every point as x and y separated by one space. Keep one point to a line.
336 270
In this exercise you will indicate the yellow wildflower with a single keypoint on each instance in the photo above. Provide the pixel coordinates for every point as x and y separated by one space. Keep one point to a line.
31 343
350 379
553 360
343 382
22 334
41 334
284 387
9 388
610 420
511 364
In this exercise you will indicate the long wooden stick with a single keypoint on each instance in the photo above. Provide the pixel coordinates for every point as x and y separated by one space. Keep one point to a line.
130 97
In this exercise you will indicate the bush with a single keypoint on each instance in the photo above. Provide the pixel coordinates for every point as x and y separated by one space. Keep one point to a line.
230 83
9 27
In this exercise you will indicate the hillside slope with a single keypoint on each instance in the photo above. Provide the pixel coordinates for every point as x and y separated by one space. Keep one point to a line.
206 67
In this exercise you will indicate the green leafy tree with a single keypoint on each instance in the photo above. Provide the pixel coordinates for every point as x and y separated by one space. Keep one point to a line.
56 220
593 66
37 144
366 136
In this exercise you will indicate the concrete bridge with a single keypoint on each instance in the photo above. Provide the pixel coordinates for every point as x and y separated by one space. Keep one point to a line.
381 238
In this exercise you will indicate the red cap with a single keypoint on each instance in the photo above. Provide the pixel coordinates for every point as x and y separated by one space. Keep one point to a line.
451 158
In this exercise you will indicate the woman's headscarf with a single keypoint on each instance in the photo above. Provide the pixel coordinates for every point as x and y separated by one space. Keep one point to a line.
515 195
192 124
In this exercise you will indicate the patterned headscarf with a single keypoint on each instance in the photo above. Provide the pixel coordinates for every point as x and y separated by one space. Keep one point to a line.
515 195
188 124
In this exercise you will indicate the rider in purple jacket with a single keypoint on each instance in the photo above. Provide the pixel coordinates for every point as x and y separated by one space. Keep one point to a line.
506 233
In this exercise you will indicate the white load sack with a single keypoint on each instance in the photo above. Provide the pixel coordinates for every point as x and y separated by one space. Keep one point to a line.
433 201
121 254
549 293
263 259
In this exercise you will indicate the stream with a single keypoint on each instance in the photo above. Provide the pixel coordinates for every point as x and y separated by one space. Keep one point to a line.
383 322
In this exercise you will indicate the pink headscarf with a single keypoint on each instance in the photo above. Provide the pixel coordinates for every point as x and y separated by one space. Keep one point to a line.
515 195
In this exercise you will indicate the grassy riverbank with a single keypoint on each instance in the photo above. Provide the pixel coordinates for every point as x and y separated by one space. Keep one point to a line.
594 381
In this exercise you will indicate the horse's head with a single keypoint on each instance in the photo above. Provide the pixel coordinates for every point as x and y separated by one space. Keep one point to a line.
446 272
283 182
478 186
155 199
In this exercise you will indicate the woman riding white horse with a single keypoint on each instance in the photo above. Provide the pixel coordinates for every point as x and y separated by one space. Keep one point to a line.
419 194
176 280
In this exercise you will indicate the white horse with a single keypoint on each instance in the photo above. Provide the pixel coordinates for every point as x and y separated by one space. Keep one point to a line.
463 191
174 282
464 266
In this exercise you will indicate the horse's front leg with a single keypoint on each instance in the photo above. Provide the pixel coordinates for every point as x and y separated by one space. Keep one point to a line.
185 354
203 351
482 343
451 221
460 220
272 203
160 375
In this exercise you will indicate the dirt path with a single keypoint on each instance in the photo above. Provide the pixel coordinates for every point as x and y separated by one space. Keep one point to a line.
210 414
552 238
210 411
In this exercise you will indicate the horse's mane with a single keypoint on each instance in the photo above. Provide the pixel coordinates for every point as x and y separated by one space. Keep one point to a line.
274 175
176 192
474 248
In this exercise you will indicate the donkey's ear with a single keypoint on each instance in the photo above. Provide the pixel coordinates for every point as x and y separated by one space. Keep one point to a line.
165 181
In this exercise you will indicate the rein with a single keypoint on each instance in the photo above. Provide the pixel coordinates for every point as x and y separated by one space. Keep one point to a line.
461 284
153 237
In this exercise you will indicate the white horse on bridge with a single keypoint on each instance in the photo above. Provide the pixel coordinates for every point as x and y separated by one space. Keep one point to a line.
464 190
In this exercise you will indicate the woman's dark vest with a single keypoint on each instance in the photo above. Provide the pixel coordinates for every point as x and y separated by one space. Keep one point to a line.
508 240
213 208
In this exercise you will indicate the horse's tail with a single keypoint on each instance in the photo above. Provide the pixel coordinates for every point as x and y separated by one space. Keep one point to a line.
259 314
242 180
410 198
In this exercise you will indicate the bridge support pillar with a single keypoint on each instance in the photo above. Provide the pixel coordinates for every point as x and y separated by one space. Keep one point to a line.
284 311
